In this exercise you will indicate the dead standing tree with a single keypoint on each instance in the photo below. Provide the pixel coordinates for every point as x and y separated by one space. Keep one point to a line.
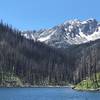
93 65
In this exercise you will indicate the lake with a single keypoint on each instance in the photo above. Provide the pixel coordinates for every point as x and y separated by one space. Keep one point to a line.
46 94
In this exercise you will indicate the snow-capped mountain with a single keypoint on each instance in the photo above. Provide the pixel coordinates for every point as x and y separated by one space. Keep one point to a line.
68 33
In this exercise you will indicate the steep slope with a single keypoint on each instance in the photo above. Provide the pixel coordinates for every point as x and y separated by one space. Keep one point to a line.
86 60
25 62
69 33
33 63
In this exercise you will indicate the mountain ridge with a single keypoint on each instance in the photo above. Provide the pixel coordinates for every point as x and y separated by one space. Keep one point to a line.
68 33
25 62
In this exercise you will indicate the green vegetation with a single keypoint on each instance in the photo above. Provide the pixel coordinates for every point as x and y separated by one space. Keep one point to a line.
10 80
89 83
27 63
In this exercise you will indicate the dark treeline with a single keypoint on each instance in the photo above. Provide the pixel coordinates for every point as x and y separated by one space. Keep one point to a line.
36 63
33 62
86 61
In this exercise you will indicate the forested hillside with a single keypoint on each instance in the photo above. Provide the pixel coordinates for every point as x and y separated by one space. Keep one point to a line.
86 59
27 62
34 63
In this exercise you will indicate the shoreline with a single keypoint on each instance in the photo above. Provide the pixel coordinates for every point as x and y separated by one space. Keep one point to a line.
50 86
87 90
36 86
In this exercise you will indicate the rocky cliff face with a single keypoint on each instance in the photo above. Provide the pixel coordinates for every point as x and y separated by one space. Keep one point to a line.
68 33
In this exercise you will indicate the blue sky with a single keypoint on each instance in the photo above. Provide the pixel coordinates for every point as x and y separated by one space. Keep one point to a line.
36 14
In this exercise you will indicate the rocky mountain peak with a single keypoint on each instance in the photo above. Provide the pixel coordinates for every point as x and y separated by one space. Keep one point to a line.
68 33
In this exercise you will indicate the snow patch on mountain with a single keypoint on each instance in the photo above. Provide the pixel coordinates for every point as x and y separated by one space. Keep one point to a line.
68 33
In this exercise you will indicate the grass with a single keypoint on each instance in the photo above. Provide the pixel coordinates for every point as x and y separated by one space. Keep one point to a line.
89 84
10 80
